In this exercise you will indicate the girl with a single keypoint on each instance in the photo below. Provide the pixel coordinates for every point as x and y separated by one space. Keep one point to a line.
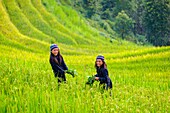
57 63
102 73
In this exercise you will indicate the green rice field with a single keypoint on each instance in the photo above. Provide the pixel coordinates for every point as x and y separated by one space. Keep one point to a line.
140 74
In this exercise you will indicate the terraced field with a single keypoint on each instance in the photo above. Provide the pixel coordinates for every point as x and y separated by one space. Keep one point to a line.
140 74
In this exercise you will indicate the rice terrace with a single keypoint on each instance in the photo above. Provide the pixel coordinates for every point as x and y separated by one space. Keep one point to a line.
140 73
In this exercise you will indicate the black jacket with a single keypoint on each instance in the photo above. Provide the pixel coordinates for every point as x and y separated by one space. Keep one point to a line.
58 68
102 73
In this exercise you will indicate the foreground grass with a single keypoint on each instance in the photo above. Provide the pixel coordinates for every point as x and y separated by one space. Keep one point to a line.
141 83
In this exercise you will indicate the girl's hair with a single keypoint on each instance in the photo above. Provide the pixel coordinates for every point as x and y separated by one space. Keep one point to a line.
54 59
104 65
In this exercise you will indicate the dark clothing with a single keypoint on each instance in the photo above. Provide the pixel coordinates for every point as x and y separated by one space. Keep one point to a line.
104 79
58 65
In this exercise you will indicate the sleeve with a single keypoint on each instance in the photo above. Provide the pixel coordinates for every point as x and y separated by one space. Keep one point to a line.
96 75
64 65
55 67
104 77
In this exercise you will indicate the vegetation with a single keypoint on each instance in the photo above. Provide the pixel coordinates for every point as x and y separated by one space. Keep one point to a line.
157 22
140 74
123 24
151 18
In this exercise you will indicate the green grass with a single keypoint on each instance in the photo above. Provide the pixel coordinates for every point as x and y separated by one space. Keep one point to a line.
140 74
140 84
70 19
56 25
23 24
38 21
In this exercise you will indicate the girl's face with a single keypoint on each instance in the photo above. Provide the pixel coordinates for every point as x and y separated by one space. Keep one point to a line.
99 62
55 51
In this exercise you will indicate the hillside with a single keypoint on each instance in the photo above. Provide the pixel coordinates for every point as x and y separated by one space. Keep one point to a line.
31 23
34 25
140 74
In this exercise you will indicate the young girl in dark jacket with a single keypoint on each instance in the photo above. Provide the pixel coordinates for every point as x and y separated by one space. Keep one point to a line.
102 73
57 63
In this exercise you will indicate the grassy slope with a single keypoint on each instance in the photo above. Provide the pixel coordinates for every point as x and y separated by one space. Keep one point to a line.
140 75
12 34
22 23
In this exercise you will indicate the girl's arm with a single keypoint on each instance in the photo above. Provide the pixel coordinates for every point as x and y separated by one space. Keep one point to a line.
96 75
104 77
64 65
55 67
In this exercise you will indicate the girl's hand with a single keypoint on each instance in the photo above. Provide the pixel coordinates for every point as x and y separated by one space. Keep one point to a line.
96 78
